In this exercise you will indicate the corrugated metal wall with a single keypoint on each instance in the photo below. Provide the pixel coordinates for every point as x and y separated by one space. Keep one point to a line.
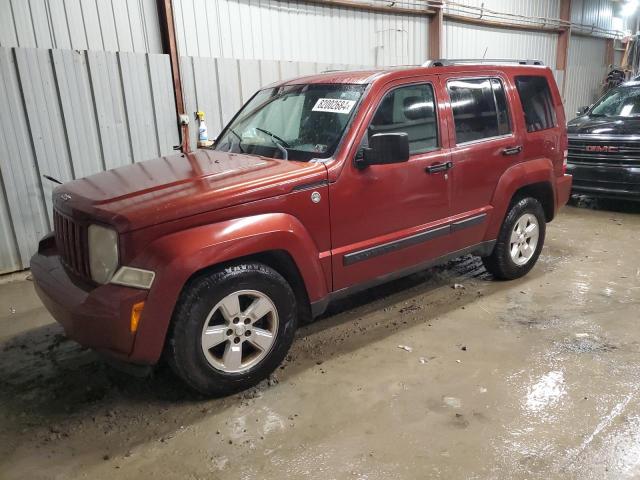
617 57
111 25
538 8
298 31
598 13
587 70
463 40
471 41
69 114
586 67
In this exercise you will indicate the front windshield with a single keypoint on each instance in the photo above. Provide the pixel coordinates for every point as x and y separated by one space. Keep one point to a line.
619 102
295 122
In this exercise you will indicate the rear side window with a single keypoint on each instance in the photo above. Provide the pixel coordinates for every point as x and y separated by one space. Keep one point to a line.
409 109
479 108
537 103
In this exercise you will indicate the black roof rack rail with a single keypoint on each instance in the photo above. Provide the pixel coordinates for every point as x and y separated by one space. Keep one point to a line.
445 62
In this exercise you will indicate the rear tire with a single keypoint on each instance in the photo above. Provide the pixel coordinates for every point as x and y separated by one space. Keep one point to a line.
519 242
231 328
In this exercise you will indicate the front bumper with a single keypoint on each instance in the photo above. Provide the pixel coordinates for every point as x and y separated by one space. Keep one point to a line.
609 181
97 317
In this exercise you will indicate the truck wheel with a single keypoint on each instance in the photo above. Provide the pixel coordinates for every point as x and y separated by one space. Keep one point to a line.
519 242
231 328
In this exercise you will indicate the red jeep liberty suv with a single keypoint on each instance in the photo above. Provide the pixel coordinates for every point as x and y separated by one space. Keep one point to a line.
320 186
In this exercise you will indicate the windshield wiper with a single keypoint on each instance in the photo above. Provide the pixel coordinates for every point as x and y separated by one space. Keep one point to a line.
276 140
239 139
274 136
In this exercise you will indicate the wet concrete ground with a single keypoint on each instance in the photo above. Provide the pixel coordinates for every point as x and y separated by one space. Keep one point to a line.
535 378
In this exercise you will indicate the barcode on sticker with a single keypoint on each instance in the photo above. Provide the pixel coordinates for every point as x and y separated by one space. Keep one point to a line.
334 105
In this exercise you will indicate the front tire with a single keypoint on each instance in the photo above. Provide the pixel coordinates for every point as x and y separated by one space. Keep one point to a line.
231 328
519 242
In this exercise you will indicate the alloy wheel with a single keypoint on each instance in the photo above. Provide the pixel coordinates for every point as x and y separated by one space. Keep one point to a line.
524 239
239 331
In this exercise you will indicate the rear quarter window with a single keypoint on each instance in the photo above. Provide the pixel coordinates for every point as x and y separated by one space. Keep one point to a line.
537 103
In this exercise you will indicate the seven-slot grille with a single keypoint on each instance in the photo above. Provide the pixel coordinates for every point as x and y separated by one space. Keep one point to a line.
604 152
71 240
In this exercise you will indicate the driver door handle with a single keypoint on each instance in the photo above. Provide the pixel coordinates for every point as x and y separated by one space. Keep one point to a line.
512 150
439 167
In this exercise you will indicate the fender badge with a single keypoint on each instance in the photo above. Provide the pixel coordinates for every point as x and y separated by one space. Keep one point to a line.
315 197
64 197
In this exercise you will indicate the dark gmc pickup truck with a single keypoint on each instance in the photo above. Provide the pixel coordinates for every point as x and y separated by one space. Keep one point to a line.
604 145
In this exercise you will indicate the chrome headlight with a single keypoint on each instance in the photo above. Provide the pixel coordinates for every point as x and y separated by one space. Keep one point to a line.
103 253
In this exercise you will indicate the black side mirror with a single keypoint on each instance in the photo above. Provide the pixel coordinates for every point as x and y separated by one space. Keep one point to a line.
582 110
384 148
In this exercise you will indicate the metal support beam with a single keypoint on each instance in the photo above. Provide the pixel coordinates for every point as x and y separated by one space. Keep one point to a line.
563 36
170 46
562 47
610 52
436 29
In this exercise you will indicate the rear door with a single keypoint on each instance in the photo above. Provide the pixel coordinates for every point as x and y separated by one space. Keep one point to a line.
484 143
543 114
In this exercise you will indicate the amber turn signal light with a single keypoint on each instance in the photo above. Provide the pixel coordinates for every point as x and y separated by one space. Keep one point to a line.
136 312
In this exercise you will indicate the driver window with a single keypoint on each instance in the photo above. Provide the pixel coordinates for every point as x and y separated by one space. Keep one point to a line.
409 109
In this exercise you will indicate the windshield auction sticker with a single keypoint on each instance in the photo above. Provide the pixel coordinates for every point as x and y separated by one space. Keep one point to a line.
334 105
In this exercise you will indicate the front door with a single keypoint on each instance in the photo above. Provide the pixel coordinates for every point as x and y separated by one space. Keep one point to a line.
386 218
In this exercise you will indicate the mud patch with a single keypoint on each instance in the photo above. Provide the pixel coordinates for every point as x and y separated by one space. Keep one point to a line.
587 344
459 420
529 318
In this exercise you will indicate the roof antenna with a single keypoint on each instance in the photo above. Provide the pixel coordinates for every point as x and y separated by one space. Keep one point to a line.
51 179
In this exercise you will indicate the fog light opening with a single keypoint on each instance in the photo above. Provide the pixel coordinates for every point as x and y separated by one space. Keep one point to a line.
134 277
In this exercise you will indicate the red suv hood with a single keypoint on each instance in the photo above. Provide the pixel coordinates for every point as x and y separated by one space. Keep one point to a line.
177 186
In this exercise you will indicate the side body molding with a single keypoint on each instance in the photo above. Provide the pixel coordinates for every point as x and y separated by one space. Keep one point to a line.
177 256
520 175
